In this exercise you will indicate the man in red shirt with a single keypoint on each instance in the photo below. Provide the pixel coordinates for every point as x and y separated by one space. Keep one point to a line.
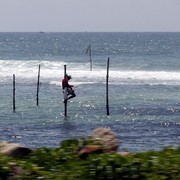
67 88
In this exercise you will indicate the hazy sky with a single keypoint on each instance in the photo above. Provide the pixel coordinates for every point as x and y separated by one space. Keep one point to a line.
89 15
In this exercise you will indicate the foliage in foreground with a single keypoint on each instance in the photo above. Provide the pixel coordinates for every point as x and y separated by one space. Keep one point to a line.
64 163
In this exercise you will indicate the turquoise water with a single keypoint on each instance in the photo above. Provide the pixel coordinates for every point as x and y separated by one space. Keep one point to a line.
144 87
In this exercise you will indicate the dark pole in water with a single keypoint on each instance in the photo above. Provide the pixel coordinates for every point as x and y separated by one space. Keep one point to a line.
88 51
37 95
65 94
107 89
14 107
90 58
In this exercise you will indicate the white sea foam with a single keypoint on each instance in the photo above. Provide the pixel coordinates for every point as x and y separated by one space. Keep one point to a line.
81 74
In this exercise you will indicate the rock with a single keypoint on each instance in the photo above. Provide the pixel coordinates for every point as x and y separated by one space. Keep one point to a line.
107 138
88 149
123 153
13 149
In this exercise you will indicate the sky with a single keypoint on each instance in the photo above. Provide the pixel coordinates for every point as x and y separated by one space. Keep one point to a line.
90 15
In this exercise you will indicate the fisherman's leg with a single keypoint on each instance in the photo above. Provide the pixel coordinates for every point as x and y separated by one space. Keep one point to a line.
67 92
72 96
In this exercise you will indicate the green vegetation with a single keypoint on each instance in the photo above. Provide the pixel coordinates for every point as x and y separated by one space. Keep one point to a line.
64 163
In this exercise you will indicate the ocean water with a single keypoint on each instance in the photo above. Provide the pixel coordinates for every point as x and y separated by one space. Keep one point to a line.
144 88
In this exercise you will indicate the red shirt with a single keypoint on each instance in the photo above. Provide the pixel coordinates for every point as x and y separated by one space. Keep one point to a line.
65 83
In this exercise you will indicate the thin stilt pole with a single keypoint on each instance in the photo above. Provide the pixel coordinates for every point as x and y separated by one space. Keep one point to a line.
65 95
14 106
90 58
37 95
88 51
107 88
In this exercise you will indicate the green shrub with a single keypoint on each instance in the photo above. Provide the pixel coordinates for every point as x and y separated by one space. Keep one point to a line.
64 163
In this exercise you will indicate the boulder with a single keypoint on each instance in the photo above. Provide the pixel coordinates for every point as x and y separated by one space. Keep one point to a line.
13 149
106 138
89 149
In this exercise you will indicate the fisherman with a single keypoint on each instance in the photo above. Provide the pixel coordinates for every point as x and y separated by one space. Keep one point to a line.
68 88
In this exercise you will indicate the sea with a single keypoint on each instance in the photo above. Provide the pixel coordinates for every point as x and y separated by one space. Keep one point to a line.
143 87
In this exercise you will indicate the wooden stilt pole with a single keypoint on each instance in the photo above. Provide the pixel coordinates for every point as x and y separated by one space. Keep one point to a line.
14 106
88 51
107 88
90 58
37 95
65 95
